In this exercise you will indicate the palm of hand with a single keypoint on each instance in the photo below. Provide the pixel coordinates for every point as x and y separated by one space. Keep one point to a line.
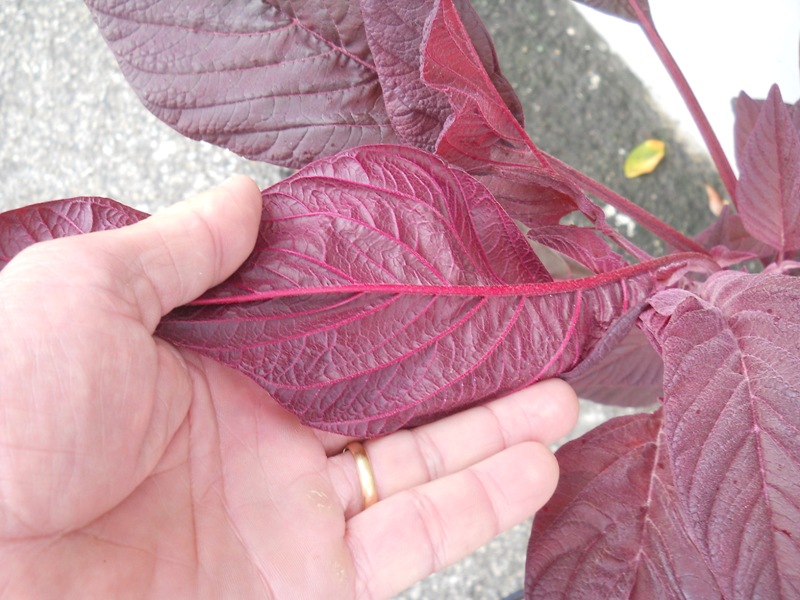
237 477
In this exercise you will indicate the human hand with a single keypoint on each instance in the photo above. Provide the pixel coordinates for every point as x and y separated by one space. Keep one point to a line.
131 468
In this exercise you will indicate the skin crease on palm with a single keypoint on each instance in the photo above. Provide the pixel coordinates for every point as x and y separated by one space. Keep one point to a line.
130 468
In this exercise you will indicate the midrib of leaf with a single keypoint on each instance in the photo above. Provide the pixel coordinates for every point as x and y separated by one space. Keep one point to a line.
645 515
504 290
757 434
660 445
569 589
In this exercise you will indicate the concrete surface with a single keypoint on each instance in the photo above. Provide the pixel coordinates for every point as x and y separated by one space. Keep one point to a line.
70 125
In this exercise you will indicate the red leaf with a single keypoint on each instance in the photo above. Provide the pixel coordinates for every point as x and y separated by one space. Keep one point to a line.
280 81
482 127
579 244
388 288
24 226
613 528
732 417
622 369
747 112
483 137
768 193
395 33
730 242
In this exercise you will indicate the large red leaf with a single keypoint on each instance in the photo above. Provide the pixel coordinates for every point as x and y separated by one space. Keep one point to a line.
395 31
732 422
768 192
613 528
387 289
283 81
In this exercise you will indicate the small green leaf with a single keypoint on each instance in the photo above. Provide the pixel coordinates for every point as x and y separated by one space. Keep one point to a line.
644 158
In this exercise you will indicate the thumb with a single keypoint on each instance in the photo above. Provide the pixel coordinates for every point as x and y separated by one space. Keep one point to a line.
89 411
190 247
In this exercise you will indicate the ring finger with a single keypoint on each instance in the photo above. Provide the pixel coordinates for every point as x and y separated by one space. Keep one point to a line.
543 413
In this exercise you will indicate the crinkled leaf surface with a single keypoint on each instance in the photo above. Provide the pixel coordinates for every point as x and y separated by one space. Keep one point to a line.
387 289
620 8
732 422
768 192
451 65
61 218
395 31
613 528
282 81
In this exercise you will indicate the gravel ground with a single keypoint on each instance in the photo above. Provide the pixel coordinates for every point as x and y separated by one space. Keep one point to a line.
71 126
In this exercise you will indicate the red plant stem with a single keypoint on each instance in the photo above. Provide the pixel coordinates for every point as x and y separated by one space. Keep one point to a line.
709 137
650 222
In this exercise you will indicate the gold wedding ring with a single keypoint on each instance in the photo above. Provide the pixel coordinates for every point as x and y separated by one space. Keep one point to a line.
365 475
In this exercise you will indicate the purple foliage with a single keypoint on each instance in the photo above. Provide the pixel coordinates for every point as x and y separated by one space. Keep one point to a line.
268 80
731 417
614 528
769 185
393 284
395 33
430 296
